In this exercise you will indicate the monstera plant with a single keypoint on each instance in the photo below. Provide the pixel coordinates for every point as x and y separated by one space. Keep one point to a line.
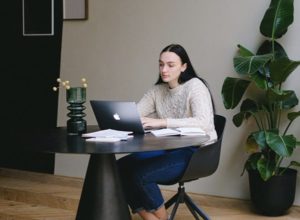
271 145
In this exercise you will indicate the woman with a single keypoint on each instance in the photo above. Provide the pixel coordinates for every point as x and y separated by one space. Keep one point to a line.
178 99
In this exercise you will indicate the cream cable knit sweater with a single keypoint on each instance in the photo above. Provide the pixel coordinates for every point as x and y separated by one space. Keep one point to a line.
187 105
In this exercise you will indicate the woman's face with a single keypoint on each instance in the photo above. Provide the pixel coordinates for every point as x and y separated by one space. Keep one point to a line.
170 68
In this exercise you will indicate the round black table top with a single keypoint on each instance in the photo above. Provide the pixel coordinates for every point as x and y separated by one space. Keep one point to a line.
56 140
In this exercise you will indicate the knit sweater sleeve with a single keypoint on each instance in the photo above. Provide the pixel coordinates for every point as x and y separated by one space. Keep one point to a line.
146 106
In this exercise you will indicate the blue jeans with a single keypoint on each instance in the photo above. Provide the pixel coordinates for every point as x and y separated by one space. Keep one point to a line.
141 175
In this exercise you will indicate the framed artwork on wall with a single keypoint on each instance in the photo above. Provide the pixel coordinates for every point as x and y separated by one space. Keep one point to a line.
75 9
37 17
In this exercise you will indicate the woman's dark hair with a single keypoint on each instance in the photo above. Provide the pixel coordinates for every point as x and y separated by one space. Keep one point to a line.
189 72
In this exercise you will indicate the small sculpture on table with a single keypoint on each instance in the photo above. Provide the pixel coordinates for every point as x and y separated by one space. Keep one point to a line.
75 97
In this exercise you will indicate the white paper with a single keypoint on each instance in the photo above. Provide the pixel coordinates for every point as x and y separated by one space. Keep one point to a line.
191 131
99 139
108 133
165 132
108 139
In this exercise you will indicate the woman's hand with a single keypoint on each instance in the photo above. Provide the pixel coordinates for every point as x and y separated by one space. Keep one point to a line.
149 123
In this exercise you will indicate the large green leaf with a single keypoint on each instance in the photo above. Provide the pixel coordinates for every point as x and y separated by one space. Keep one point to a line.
264 168
290 101
249 105
293 115
286 99
282 145
280 69
277 18
252 161
251 145
262 77
290 142
260 80
250 64
260 139
267 47
294 163
244 52
239 118
233 90
248 108
274 95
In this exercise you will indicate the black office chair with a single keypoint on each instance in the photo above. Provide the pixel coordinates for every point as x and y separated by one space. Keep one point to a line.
204 162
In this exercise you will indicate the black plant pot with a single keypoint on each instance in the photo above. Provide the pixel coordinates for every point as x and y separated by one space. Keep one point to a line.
275 196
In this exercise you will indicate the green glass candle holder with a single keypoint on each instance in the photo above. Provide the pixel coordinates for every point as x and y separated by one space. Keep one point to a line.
76 97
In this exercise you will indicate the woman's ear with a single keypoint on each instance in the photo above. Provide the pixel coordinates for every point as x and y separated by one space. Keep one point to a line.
183 67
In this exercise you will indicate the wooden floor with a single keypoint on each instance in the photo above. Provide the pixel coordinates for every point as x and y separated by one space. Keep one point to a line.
34 196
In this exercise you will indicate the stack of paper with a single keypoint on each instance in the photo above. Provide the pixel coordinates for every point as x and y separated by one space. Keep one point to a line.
191 131
108 135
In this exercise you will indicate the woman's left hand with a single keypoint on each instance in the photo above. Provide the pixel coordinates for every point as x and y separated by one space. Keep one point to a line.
153 123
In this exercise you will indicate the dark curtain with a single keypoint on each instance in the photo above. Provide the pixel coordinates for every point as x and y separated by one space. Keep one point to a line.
29 68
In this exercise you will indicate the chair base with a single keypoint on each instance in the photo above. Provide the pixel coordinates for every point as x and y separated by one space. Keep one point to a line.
182 197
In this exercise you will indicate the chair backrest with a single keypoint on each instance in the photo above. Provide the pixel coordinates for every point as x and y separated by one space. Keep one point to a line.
205 160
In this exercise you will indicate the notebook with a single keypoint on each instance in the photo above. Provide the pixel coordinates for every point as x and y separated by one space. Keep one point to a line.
118 115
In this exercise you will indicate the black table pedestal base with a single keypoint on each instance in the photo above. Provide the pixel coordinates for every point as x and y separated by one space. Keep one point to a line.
102 196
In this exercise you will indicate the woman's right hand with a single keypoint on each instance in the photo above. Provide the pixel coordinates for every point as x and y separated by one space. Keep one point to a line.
150 123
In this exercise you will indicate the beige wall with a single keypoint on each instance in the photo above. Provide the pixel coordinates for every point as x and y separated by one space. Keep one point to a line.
117 49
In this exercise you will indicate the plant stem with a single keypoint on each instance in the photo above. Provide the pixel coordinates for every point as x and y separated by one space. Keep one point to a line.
287 127
268 116
273 48
279 161
257 121
284 169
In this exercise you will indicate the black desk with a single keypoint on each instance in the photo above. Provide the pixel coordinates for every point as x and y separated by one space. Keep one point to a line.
102 196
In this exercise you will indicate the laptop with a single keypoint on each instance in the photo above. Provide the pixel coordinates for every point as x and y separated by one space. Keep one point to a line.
118 115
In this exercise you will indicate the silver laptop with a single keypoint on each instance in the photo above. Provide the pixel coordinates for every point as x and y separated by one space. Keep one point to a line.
118 115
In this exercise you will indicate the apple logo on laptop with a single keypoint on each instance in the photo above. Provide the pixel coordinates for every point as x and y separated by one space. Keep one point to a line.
117 117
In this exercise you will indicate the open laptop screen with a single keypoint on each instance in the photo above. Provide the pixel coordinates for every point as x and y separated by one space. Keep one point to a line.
118 115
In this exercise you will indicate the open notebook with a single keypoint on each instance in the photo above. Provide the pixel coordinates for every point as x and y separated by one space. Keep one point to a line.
190 131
